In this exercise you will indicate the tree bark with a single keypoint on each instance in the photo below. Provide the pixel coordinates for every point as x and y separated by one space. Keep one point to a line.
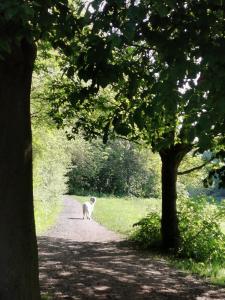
18 249
171 159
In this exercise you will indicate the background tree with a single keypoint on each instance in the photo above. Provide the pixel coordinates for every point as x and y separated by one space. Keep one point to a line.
51 148
163 64
118 168
51 153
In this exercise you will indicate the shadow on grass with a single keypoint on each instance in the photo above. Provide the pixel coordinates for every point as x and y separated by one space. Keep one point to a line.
82 270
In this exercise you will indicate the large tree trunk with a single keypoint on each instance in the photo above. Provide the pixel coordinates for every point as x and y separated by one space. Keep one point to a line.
171 159
18 248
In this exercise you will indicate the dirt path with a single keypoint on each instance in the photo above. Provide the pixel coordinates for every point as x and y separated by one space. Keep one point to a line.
82 260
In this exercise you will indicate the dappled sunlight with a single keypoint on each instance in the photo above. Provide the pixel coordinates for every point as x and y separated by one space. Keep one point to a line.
110 270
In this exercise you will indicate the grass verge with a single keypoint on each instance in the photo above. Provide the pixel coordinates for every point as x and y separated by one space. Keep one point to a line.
46 214
119 214
212 271
46 297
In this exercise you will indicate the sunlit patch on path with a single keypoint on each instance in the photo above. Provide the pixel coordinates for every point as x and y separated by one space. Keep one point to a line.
104 268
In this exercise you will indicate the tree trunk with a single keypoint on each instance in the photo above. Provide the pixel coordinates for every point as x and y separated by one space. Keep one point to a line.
171 159
18 249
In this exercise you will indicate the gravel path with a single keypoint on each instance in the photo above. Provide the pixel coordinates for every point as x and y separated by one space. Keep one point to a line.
71 226
83 260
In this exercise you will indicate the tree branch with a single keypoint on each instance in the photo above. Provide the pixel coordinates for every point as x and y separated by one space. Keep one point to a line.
129 140
195 168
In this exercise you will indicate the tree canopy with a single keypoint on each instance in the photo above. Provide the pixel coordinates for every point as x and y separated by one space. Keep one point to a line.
158 60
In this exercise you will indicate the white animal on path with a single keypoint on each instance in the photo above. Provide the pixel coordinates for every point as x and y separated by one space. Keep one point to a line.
88 208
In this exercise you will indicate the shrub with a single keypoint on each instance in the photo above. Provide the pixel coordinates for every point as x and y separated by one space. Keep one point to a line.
199 223
51 161
147 233
201 235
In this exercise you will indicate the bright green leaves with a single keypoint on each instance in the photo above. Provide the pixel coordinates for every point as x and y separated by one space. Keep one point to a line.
216 176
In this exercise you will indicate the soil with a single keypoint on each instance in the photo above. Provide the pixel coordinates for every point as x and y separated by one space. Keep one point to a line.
80 259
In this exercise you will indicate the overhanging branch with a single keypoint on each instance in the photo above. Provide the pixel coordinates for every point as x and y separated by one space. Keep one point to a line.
195 168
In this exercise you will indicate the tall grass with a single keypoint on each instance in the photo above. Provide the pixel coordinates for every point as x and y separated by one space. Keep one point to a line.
46 214
214 271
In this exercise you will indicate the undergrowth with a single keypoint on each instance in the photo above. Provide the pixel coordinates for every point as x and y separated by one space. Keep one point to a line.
202 242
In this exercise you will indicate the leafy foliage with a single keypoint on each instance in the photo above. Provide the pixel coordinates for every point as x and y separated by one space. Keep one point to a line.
199 222
216 175
118 168
51 151
148 234
158 59
193 182
202 238
51 160
50 164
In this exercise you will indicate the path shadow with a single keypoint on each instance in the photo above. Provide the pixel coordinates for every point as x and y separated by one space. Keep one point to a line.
81 270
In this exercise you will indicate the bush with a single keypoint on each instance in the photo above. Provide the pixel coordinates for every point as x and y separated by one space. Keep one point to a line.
201 235
199 223
147 233
50 163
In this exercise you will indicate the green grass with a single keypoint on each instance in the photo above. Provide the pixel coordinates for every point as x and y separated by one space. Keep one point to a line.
46 214
119 214
46 297
213 271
